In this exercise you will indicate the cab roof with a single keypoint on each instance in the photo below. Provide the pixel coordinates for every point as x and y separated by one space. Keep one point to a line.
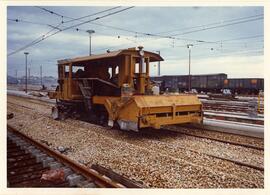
113 54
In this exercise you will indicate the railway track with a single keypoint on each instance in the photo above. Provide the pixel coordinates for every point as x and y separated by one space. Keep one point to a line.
29 163
223 140
225 108
260 168
243 107
235 118
201 160
174 128
219 140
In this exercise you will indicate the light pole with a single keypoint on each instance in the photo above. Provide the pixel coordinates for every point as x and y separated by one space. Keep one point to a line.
158 64
16 75
189 56
29 80
41 75
90 33
26 53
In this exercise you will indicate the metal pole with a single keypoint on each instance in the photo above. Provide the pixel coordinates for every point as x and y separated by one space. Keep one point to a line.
189 80
41 75
90 32
25 73
29 75
158 64
90 53
26 53
16 76
189 62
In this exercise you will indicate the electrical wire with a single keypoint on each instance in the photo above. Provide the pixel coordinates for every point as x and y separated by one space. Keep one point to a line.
155 35
52 12
80 18
29 22
219 26
204 28
64 29
241 38
160 36
210 24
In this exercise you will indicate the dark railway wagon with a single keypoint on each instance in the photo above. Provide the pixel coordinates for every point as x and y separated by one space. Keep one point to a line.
210 83
206 83
244 85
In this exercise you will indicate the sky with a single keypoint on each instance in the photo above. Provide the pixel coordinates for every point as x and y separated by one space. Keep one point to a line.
225 39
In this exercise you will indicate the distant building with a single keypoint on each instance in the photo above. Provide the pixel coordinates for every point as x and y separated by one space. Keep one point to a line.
33 80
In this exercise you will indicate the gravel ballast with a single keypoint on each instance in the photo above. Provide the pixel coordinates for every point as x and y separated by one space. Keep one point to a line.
157 161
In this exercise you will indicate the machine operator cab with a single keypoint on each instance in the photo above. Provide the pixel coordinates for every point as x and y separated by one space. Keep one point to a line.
116 87
110 72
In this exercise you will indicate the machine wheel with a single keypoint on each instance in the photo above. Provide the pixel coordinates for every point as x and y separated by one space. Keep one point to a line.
55 113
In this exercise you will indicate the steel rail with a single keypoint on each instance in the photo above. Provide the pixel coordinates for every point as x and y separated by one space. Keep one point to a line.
223 141
221 158
189 134
227 159
84 171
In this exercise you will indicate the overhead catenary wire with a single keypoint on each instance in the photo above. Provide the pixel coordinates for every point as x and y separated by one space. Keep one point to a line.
221 54
122 29
126 30
142 33
69 27
241 38
113 47
219 26
154 35
80 18
80 29
226 40
163 36
37 40
210 24
186 39
204 28
29 22
72 19
52 12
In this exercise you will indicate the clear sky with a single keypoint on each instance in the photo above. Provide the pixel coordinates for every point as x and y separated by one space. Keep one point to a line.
225 39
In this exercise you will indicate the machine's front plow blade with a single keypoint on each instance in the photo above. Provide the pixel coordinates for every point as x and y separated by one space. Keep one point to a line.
155 111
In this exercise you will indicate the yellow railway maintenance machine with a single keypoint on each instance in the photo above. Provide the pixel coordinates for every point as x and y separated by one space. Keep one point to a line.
115 88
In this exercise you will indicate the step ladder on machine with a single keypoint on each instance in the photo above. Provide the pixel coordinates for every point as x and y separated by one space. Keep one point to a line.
86 90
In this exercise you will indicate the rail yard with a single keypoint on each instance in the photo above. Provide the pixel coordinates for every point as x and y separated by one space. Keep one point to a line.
134 134
184 111
174 157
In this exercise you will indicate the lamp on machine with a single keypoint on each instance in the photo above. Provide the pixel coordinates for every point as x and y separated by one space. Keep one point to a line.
142 64
141 52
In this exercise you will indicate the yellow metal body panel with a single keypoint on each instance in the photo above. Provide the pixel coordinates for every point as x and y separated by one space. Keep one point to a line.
102 99
154 111
166 100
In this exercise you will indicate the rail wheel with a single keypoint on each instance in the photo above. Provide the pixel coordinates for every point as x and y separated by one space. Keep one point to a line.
55 113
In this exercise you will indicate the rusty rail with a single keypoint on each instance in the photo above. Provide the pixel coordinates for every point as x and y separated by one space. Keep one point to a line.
124 180
99 178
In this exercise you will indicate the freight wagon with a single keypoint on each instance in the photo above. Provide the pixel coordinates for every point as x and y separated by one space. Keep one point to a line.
210 83
244 85
205 83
